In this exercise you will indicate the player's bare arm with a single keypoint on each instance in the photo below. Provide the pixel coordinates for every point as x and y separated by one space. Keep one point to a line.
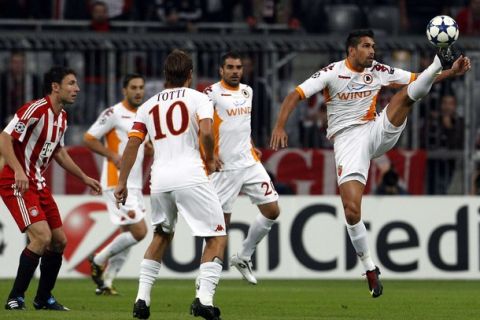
128 160
98 147
208 142
459 68
279 136
66 162
6 149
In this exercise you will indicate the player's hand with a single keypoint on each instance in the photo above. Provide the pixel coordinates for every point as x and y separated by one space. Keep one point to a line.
461 66
211 166
117 160
121 194
93 184
279 139
218 163
21 181
258 152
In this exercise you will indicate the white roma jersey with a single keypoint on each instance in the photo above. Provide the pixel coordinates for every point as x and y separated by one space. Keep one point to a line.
232 124
351 96
114 124
171 119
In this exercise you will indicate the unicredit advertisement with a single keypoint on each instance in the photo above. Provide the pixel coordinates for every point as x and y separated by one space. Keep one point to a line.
409 238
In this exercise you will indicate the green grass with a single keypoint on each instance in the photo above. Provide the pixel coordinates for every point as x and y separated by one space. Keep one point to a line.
269 300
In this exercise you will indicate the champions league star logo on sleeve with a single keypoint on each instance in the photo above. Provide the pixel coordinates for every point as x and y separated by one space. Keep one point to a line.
20 127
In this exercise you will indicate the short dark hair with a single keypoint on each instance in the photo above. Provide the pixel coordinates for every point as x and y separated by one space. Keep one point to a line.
129 77
55 74
229 54
177 67
353 38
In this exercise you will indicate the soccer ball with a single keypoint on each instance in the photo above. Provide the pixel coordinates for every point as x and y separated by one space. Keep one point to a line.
442 31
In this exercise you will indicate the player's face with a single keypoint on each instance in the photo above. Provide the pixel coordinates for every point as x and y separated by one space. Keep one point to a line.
68 89
232 71
364 52
134 92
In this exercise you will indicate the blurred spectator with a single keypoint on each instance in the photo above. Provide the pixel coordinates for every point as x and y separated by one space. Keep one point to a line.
120 9
308 14
223 10
99 13
179 14
468 19
415 15
313 124
16 86
444 131
390 184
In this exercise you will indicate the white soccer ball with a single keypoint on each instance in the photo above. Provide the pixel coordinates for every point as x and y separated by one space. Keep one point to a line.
442 31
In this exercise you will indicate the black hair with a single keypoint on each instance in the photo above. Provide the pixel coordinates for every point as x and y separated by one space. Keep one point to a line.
353 38
227 55
55 74
131 76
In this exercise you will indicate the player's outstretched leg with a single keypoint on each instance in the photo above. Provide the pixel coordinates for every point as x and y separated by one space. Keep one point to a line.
374 284
244 266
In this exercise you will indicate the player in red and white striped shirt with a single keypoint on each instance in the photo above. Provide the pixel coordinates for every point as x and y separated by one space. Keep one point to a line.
28 143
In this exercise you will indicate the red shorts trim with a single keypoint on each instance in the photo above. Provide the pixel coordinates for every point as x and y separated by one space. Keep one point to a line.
33 206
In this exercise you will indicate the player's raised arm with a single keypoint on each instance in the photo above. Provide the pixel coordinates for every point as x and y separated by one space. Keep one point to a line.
279 136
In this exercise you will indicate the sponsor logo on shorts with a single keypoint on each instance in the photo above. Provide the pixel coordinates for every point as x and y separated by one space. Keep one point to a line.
339 170
33 211
219 228
20 127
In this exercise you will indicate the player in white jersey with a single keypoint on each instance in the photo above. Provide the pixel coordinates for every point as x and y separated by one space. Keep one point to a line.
241 170
177 120
113 126
360 134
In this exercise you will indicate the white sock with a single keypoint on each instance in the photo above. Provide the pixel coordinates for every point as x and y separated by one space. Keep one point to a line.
358 236
115 263
207 282
120 243
149 270
259 228
422 85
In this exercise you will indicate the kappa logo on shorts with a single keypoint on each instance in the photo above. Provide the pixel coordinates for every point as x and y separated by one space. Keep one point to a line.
219 228
339 170
33 211
20 127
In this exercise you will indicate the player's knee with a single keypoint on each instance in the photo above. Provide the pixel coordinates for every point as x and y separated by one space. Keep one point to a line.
42 240
352 211
270 211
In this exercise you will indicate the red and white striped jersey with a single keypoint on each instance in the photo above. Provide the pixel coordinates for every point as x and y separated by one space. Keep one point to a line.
37 132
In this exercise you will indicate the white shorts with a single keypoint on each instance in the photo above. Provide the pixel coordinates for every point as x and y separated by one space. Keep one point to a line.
134 203
253 181
355 147
198 205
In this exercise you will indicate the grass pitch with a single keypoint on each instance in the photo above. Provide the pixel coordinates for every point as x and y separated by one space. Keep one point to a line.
269 300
